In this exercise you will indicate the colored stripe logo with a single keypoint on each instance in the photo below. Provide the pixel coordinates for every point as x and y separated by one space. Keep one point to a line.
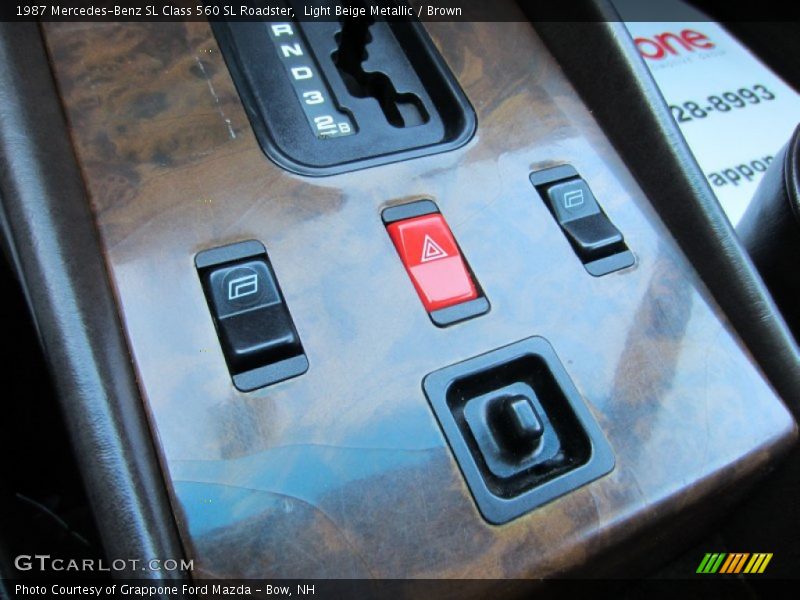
735 562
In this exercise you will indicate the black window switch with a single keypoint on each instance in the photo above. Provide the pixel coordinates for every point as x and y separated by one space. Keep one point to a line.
590 232
253 322
258 338
594 238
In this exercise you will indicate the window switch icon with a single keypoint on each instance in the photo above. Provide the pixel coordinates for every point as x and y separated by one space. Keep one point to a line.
241 287
256 331
246 285
573 199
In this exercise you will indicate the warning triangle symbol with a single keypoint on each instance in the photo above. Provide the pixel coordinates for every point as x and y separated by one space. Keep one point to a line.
431 250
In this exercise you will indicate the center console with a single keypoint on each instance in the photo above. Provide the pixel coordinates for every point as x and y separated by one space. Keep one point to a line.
409 308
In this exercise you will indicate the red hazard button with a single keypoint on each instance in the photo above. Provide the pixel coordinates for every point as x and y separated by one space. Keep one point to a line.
431 257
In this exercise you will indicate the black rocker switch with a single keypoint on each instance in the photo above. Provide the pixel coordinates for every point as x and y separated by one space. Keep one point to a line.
590 232
595 239
258 337
254 325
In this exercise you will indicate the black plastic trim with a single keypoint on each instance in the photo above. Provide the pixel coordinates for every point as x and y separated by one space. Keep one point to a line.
610 264
269 374
552 175
461 312
770 230
60 264
228 253
494 508
401 212
270 128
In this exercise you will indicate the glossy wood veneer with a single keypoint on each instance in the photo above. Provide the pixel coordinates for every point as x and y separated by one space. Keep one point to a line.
344 472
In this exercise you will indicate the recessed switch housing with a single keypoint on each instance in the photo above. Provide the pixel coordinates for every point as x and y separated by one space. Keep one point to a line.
518 428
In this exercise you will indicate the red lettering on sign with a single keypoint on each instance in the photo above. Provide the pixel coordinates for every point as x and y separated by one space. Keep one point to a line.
669 43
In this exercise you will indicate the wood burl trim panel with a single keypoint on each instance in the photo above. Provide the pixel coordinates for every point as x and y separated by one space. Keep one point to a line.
344 472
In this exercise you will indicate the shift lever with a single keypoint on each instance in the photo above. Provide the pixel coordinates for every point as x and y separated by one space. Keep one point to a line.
770 230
